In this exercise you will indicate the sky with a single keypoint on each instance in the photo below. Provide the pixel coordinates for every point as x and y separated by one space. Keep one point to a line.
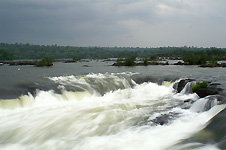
122 23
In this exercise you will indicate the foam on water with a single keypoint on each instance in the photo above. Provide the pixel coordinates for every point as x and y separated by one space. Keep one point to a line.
42 98
203 104
96 83
118 119
73 88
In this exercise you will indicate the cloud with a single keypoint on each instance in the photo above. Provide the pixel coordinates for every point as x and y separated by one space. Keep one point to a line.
114 22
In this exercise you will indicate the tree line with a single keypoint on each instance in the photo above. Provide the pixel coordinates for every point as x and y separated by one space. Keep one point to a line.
29 51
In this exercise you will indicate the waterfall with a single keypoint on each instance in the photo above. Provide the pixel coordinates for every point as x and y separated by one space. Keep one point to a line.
204 104
109 111
188 88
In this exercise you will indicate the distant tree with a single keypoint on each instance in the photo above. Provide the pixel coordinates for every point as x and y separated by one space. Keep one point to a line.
76 58
190 58
6 55
167 63
47 61
196 59
119 60
29 51
145 61
153 57
130 61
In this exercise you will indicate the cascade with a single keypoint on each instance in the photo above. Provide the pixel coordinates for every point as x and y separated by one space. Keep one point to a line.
204 104
188 88
110 112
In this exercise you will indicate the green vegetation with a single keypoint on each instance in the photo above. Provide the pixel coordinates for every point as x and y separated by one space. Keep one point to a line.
154 63
208 58
6 55
130 61
205 57
199 85
47 61
153 57
194 59
119 60
133 61
76 58
29 51
145 61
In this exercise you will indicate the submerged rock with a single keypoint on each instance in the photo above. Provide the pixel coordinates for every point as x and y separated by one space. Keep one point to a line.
188 100
179 63
86 66
165 118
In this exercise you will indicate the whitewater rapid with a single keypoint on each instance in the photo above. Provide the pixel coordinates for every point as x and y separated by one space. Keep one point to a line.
102 112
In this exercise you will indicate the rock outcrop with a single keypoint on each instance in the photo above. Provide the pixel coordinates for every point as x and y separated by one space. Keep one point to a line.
179 86
211 89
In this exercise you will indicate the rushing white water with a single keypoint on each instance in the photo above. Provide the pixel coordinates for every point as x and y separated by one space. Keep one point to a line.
124 117
188 88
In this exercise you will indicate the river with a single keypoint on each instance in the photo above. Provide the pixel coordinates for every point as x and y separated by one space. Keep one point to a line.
93 105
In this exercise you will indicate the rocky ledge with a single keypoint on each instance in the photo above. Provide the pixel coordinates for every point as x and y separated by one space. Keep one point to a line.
211 88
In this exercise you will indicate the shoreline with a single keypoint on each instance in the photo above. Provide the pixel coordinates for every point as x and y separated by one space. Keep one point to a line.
116 64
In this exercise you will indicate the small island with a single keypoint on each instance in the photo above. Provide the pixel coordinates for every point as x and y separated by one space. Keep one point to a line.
45 62
133 61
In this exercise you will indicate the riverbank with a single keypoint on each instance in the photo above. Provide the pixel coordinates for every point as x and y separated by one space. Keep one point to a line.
45 62
115 62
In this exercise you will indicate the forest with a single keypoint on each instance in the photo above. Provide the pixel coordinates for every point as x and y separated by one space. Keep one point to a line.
28 51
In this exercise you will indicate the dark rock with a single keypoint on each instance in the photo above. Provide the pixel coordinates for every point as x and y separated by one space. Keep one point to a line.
70 61
203 92
161 120
165 118
179 63
179 86
212 89
219 89
210 103
221 99
188 100
86 66
214 84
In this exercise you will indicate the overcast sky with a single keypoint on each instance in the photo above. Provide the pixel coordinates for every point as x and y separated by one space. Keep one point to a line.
136 23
